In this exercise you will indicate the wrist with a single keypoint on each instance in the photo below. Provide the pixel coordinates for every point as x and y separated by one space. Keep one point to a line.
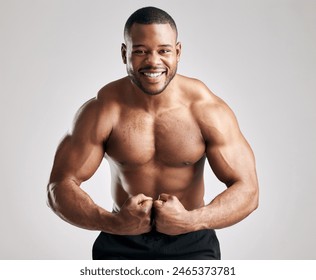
108 222
199 219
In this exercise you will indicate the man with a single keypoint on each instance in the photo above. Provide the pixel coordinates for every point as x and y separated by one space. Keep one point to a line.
156 129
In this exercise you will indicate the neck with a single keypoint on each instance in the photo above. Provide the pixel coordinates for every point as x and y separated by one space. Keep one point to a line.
155 103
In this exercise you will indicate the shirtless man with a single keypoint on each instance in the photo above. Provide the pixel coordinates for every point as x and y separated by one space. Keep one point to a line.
156 129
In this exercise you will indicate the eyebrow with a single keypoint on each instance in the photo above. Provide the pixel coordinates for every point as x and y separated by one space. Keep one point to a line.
163 45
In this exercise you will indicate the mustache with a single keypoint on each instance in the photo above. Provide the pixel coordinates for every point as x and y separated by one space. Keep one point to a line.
150 68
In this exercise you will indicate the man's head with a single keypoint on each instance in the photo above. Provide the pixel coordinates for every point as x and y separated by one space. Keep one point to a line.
149 15
151 52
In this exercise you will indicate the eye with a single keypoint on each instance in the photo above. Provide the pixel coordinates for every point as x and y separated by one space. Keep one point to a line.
139 52
165 51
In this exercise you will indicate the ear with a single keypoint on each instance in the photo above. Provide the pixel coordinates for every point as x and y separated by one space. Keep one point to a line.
178 50
123 53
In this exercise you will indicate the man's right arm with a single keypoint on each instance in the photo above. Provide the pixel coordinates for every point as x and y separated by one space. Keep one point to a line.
77 158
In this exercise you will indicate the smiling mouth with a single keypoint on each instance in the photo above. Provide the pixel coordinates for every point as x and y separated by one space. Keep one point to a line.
152 75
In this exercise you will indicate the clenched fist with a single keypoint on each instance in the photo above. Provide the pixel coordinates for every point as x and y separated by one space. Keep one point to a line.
134 216
170 215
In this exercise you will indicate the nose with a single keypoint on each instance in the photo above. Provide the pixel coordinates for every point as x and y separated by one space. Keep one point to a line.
153 58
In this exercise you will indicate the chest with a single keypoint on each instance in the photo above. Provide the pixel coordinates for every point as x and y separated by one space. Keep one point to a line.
172 138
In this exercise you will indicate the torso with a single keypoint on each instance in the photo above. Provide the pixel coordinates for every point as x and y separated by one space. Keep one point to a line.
154 153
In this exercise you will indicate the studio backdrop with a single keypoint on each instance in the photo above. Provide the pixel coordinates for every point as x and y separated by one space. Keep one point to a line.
259 56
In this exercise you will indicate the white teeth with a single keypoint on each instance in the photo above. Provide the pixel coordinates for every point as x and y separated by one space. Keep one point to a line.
152 75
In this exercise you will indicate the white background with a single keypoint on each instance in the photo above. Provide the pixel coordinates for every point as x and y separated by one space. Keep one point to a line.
259 56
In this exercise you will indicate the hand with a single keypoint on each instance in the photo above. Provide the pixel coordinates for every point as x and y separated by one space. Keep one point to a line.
135 216
170 215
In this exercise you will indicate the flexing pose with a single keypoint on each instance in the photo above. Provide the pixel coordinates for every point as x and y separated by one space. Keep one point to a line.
156 129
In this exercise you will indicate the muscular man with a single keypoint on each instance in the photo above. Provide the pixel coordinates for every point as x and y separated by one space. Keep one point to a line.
156 129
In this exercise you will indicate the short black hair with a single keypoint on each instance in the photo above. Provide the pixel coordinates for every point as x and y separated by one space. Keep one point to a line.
149 15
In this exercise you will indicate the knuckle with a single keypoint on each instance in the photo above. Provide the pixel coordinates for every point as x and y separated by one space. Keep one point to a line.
140 195
172 197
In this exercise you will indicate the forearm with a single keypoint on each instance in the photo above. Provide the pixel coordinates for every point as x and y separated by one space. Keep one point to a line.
228 208
76 207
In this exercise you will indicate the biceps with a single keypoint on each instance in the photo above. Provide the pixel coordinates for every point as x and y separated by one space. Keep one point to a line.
231 162
76 160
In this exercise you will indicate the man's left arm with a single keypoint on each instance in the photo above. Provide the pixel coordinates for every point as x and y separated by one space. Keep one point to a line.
233 163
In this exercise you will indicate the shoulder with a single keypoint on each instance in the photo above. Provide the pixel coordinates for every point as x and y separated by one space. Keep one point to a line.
191 86
111 93
213 115
98 115
197 92
106 101
201 99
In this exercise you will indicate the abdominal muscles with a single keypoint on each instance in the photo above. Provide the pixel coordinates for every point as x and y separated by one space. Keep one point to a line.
152 179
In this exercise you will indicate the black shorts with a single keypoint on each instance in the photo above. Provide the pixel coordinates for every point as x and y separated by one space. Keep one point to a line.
198 245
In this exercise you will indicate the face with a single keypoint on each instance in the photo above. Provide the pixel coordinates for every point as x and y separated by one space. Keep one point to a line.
151 55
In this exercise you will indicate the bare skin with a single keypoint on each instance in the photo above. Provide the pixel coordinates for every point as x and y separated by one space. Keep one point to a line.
156 129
